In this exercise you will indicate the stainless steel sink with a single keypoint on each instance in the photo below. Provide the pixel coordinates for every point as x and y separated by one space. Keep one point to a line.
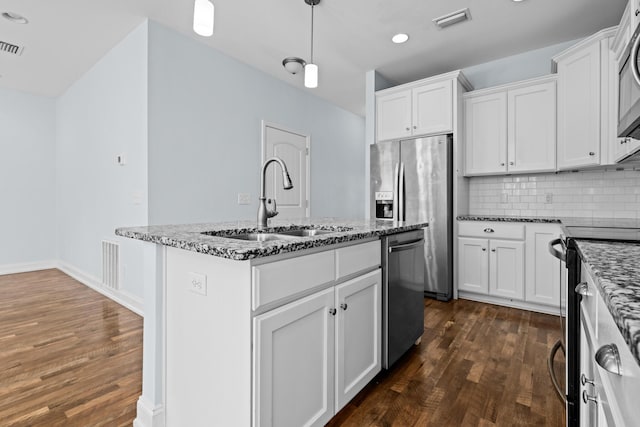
310 232
260 237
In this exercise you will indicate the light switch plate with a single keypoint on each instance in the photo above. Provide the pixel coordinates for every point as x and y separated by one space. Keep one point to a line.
197 283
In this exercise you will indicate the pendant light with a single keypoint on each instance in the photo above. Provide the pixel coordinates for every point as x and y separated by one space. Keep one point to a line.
311 69
203 18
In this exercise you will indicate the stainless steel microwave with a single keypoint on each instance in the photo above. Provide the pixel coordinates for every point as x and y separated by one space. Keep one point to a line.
629 90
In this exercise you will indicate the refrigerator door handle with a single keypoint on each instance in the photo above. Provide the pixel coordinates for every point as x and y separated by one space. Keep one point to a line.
401 216
395 191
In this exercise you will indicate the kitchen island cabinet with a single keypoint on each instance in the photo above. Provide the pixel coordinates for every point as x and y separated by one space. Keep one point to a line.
278 333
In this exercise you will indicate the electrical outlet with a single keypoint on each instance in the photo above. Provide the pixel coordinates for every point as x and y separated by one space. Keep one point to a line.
244 198
197 283
548 198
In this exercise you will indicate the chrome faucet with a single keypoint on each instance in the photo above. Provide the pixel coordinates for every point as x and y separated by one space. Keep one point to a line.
265 213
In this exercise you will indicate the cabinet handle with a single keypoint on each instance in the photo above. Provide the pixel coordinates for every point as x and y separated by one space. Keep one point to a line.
584 380
586 398
511 163
344 306
333 311
583 289
591 153
493 250
623 141
609 359
484 249
637 12
488 230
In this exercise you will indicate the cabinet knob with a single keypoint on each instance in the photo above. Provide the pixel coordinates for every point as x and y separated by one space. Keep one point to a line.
583 289
408 129
586 398
344 306
511 163
488 230
609 359
484 249
493 250
623 141
637 12
501 164
591 153
415 127
584 380
333 311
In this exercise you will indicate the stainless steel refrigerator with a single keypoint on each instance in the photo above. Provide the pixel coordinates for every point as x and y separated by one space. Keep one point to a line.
412 180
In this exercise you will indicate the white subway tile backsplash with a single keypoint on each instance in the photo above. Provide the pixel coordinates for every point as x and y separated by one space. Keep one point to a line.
598 194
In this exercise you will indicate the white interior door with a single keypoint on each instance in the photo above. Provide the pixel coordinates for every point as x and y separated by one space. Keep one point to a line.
293 149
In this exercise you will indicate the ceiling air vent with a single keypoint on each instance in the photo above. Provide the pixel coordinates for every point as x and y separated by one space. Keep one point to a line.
10 48
452 18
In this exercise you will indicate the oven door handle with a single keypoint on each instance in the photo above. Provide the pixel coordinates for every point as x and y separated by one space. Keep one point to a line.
561 255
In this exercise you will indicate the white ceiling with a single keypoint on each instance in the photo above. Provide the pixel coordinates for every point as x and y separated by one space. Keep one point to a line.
64 38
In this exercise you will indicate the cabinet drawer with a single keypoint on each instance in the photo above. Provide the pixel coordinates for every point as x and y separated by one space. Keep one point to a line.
491 230
353 259
622 390
282 279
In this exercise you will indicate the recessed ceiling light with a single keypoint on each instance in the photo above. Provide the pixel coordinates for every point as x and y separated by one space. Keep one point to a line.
400 38
14 17
517 1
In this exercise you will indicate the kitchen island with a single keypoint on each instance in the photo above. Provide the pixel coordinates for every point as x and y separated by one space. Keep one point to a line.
258 333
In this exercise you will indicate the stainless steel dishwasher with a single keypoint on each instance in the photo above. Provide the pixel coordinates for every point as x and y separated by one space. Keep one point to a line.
403 271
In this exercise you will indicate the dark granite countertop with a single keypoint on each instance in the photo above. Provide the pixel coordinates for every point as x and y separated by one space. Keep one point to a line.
217 243
507 218
616 269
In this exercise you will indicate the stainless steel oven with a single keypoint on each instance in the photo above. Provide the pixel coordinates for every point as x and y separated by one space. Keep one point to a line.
629 90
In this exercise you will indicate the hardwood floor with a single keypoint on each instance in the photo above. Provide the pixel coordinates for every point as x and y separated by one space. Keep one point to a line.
478 365
68 355
71 357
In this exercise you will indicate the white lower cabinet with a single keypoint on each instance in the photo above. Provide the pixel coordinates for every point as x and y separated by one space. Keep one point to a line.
506 267
509 263
294 363
312 356
491 267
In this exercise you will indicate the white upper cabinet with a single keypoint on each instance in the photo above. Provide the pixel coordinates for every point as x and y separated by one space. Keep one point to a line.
393 115
424 107
587 109
531 128
511 128
433 108
486 134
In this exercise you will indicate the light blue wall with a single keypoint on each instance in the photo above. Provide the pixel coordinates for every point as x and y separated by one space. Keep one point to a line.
205 112
527 65
27 178
102 115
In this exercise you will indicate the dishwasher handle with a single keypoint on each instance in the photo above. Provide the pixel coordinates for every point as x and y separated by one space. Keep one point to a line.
405 246
556 253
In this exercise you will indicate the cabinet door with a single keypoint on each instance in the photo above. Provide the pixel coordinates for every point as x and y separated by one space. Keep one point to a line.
588 410
579 108
486 134
473 262
358 335
293 362
433 108
393 116
543 271
506 269
532 128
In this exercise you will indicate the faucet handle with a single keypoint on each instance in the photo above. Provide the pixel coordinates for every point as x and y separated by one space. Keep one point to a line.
272 212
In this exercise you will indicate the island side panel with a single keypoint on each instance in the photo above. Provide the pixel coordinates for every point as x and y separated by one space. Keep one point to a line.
208 366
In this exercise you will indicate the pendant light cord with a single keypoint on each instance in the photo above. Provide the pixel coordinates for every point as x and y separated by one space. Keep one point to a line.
312 6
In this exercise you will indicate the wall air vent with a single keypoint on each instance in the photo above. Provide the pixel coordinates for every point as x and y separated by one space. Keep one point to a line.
10 48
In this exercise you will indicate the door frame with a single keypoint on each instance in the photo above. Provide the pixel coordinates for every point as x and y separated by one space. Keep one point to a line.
264 125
